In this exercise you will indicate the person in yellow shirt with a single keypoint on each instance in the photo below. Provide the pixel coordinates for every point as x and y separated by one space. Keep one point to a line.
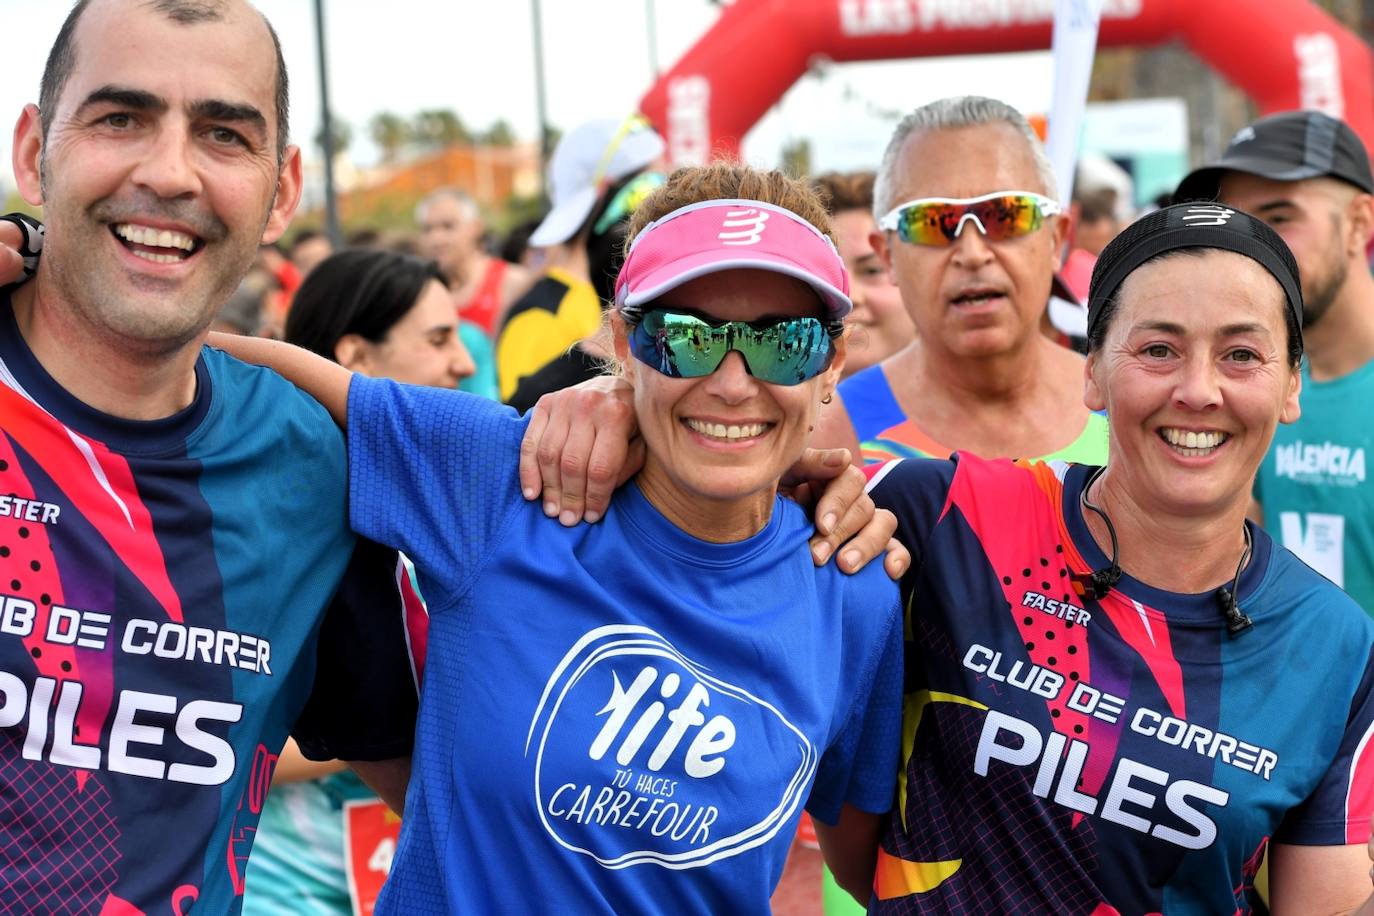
599 172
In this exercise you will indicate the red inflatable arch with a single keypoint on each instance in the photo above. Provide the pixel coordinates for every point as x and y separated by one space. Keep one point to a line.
1284 53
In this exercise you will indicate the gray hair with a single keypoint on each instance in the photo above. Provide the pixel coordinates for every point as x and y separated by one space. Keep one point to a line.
950 113
462 198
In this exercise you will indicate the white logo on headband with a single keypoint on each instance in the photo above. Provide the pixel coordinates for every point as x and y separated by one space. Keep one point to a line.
743 227
1207 216
1242 135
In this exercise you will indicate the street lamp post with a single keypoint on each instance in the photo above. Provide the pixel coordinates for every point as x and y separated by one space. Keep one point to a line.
540 102
331 206
651 26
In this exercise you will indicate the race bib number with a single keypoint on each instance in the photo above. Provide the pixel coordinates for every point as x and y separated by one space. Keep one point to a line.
371 831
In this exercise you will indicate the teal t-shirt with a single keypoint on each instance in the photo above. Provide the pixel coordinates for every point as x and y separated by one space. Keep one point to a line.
1315 486
298 862
483 381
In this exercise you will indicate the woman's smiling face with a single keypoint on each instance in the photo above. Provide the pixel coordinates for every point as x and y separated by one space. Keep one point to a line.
722 441
1194 375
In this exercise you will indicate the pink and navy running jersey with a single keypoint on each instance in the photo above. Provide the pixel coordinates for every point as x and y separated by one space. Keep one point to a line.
1125 755
162 585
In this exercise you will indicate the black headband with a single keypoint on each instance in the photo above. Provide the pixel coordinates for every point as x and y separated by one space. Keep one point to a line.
1192 225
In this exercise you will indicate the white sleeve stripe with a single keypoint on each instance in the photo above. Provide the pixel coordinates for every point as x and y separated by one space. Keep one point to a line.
881 473
402 575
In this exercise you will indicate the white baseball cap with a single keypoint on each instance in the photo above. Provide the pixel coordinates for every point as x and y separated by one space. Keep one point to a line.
589 157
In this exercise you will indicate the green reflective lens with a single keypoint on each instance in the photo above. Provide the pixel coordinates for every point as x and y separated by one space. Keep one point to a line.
680 345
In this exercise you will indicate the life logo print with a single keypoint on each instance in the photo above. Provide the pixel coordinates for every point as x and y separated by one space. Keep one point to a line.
1207 216
641 757
743 227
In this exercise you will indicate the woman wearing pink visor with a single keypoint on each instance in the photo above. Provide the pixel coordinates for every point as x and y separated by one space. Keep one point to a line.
629 717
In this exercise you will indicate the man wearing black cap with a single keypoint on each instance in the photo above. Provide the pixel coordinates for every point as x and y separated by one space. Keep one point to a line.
1308 176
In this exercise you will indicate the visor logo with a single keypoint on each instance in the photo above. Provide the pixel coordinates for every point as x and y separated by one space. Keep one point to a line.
743 227
1245 133
1207 216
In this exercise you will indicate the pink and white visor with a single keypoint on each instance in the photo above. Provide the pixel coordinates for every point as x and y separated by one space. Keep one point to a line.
715 235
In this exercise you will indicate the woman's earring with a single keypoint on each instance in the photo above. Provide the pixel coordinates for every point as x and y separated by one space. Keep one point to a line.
830 396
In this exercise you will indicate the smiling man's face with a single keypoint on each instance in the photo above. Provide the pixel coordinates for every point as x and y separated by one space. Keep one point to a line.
159 175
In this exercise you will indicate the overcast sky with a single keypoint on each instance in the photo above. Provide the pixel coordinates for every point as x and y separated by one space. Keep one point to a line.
477 59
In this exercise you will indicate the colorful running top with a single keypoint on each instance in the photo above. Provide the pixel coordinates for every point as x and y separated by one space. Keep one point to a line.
617 718
558 311
886 433
484 305
1075 756
161 587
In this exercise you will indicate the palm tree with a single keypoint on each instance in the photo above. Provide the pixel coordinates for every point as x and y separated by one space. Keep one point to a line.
390 132
439 127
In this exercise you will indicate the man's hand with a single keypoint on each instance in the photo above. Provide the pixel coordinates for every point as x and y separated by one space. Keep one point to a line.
825 482
580 445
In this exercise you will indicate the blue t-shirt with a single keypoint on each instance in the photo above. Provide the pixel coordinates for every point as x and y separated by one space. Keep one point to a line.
615 717
162 585
1071 755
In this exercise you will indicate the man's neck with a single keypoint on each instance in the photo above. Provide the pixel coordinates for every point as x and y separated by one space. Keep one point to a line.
470 268
116 377
571 258
1006 378
1343 340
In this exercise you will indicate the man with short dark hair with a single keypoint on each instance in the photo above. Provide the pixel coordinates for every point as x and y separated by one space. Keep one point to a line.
173 524
1308 176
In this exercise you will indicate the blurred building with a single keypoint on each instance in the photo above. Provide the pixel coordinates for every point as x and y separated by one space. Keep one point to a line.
490 174
1216 109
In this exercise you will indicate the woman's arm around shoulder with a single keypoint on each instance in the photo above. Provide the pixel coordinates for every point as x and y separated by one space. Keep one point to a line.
325 381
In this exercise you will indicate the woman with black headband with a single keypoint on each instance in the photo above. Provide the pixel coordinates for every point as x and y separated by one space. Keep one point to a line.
1126 694
1122 697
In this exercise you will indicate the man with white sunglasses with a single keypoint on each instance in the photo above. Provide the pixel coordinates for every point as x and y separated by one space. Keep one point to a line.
970 231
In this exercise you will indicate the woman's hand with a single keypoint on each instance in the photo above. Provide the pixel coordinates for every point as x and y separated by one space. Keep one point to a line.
582 443
11 243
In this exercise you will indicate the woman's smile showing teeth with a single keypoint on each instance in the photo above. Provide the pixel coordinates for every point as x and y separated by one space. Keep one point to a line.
726 432
1191 443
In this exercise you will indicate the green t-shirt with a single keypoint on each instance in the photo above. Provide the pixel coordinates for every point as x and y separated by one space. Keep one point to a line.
1314 484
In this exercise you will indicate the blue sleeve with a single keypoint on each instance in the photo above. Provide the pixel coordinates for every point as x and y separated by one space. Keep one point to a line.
433 473
916 491
860 766
1337 812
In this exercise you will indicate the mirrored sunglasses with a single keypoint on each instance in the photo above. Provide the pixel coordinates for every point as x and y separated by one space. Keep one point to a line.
998 216
681 345
627 199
